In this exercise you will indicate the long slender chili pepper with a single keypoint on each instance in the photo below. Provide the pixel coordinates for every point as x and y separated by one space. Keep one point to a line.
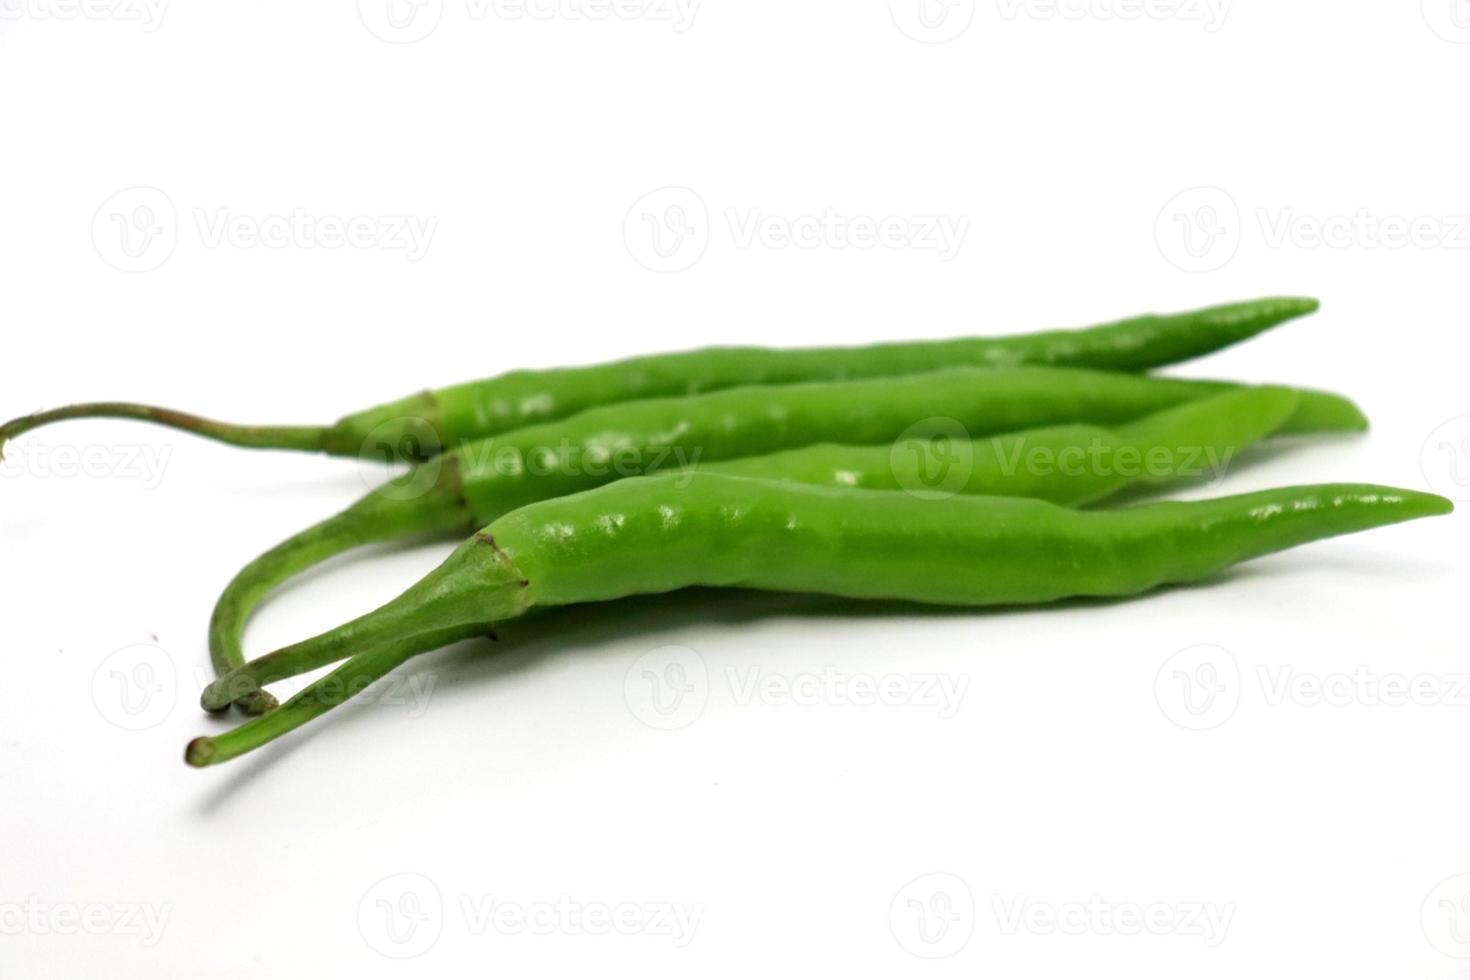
430 421
1070 465
658 534
473 485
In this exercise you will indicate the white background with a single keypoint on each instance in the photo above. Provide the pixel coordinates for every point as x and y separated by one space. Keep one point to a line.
1304 834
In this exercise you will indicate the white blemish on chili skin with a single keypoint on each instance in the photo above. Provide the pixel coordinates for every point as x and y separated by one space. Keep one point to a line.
668 517
611 523
541 404
734 512
560 531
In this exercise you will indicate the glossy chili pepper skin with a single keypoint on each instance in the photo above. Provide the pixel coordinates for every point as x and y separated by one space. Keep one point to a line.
470 487
430 421
1071 465
603 444
631 537
659 534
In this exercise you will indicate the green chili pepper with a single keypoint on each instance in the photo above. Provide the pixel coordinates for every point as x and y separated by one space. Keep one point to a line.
469 487
658 534
423 424
1071 465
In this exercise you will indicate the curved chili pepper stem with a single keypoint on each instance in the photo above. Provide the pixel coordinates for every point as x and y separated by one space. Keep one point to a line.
308 438
488 589
316 543
340 686
429 500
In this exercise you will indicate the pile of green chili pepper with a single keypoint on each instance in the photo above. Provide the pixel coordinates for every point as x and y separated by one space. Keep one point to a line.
944 472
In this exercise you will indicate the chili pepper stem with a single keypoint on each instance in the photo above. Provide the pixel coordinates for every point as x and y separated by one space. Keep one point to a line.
338 687
430 502
482 589
249 586
305 438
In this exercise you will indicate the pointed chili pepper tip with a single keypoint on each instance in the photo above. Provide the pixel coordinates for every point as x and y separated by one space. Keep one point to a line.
1435 505
200 753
